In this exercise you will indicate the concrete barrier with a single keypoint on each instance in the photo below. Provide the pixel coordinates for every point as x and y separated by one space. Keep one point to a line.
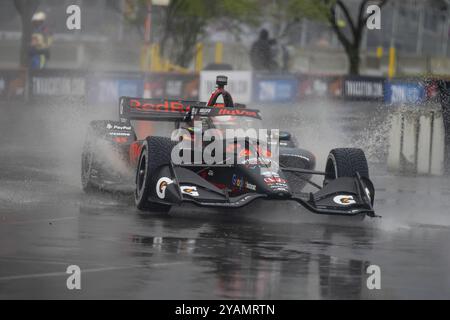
444 97
437 165
416 142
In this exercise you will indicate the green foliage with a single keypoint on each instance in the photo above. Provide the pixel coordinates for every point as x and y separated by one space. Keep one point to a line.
204 9
180 25
311 9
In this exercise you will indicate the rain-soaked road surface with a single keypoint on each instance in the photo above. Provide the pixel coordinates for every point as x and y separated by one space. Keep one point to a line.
268 251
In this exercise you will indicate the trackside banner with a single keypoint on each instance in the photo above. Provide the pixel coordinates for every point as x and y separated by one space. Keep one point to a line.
275 88
173 86
12 84
58 83
404 92
106 88
364 88
313 86
92 88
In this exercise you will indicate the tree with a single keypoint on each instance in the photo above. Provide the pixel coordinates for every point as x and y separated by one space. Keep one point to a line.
183 23
326 10
26 9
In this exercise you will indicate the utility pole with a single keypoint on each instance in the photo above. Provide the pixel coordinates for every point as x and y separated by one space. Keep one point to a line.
120 25
446 27
419 44
304 33
147 39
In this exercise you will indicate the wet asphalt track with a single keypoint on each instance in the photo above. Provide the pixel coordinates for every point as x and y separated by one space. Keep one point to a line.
273 251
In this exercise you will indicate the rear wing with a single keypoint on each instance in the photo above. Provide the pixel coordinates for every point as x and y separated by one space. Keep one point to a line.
154 109
175 110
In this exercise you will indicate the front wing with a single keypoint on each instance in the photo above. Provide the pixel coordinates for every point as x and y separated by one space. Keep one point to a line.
342 196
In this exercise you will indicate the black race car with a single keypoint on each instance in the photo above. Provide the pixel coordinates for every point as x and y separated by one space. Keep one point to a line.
113 158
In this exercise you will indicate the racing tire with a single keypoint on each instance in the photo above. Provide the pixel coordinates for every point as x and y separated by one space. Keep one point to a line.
88 156
155 154
345 162
86 167
92 160
87 161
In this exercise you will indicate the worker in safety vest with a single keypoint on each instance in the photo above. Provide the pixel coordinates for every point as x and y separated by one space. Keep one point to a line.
41 40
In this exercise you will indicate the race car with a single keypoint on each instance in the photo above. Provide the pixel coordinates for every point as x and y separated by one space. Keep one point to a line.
114 158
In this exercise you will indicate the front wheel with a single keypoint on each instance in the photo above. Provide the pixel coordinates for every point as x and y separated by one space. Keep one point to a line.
345 162
155 154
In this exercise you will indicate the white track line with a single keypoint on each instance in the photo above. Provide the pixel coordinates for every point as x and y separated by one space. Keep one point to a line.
51 261
59 274
37 221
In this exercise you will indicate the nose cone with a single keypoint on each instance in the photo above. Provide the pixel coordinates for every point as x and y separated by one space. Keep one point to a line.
274 184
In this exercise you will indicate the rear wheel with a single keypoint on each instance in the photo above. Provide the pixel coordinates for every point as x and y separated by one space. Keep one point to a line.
87 161
155 154
101 154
